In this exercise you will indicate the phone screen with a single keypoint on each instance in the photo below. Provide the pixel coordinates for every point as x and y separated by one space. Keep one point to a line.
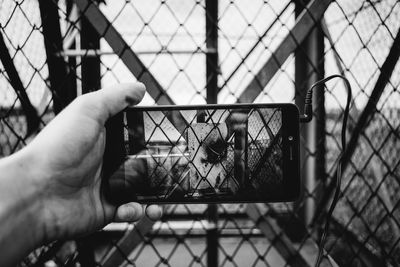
204 154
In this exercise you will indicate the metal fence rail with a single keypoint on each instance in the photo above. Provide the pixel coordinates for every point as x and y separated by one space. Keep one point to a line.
194 52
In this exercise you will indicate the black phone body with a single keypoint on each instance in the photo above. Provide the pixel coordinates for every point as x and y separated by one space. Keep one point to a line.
208 154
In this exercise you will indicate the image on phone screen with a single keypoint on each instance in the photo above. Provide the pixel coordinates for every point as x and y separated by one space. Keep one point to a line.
204 154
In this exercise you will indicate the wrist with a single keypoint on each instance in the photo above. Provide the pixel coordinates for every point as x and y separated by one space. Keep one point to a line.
21 198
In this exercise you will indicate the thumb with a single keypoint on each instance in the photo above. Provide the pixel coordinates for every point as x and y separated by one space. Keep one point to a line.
114 99
129 212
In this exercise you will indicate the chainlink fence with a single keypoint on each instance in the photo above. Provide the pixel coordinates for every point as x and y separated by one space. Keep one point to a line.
205 51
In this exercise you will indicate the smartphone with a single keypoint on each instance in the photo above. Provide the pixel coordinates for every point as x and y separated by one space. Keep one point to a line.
204 154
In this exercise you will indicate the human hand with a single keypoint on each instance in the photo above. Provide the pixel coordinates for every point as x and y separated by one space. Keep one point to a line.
67 157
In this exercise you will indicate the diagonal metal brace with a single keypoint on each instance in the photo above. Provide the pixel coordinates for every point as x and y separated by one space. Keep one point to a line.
31 113
106 30
304 24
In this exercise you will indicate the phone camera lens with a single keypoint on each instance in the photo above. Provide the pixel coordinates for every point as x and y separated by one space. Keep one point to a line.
290 138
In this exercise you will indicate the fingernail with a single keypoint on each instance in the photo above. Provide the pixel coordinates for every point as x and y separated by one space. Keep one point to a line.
140 90
141 84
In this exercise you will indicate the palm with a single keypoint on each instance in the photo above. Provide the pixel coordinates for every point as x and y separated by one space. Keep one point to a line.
79 166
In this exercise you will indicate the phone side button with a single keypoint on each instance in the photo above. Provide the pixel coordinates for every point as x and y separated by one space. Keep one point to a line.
290 153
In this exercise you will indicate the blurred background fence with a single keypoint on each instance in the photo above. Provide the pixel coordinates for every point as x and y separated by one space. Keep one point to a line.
209 51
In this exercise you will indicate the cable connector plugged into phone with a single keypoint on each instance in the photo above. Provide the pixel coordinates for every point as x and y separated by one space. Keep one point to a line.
307 117
308 111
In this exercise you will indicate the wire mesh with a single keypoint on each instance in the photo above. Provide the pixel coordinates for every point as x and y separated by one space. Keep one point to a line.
269 51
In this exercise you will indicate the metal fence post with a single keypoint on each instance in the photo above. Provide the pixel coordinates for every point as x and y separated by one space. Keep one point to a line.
309 68
212 93
58 72
90 65
91 81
